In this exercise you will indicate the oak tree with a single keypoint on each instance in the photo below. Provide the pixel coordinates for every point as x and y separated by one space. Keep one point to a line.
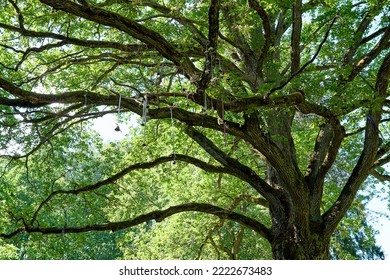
275 94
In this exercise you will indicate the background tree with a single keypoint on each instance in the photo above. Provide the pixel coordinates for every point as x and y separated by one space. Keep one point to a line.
272 99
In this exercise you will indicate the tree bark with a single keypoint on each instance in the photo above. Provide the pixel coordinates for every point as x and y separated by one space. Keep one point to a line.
291 245
261 117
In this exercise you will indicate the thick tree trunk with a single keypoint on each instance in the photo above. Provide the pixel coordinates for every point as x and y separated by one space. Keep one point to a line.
291 245
295 235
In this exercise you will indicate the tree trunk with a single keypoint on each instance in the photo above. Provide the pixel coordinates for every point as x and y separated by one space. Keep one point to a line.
291 245
295 235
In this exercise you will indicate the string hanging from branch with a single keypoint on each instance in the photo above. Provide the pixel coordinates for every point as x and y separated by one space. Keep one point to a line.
221 120
214 79
144 119
209 61
173 136
145 108
117 128
183 89
208 70
144 136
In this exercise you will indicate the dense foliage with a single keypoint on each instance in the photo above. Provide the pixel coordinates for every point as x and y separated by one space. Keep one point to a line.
261 128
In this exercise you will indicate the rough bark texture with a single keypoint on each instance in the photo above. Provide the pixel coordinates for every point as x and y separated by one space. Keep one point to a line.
300 228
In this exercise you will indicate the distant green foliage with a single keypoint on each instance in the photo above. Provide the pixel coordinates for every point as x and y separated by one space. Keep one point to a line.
51 148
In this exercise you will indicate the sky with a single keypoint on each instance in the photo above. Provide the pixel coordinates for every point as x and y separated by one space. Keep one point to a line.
106 125
382 224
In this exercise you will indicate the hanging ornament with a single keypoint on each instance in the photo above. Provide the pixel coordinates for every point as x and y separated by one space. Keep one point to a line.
117 128
144 119
145 108
144 138
221 120
119 105
173 137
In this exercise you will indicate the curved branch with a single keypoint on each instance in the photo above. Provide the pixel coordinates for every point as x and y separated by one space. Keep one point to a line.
158 216
78 42
368 156
325 151
146 165
369 57
379 176
267 34
131 27
310 61
234 167
211 50
168 12
364 24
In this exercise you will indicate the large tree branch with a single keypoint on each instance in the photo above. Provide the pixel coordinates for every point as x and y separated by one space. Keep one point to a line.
380 177
296 36
146 165
369 154
131 27
267 35
244 104
211 49
243 56
277 198
365 60
157 216
307 63
136 48
173 14
56 129
325 151
358 35
33 99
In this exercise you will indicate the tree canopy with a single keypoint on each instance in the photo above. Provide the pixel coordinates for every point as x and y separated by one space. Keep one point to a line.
261 128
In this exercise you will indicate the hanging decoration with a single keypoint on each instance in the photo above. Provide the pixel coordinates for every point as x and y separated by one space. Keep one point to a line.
145 109
117 128
209 61
208 70
221 121
214 80
144 137
119 105
173 136
144 119
172 129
